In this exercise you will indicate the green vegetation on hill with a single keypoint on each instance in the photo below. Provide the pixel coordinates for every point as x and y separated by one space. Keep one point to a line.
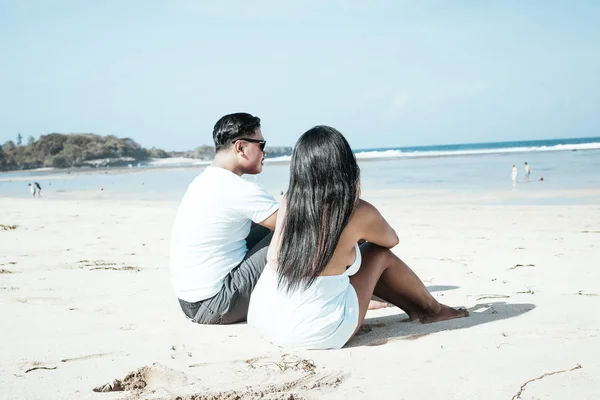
87 149
75 150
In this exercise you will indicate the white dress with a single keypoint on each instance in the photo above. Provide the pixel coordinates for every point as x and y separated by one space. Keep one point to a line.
322 316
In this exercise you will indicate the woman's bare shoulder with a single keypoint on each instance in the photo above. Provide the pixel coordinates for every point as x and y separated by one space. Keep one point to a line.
353 231
364 209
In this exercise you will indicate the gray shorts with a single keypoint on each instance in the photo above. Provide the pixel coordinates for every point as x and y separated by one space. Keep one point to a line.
230 305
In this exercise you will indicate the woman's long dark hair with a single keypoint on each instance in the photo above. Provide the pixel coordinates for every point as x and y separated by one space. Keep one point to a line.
323 191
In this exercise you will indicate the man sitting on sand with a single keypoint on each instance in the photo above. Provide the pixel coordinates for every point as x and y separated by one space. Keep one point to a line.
223 227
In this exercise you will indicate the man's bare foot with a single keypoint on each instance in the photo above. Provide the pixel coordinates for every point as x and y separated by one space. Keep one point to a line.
376 305
444 314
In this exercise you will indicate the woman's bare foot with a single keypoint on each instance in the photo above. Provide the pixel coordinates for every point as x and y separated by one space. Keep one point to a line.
445 313
376 305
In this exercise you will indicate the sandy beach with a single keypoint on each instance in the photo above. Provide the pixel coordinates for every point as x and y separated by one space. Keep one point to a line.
87 305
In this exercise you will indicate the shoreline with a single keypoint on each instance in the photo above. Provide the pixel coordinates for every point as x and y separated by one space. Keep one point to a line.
177 163
491 198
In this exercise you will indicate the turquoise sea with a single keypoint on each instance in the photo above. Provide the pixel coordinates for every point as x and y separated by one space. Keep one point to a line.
476 168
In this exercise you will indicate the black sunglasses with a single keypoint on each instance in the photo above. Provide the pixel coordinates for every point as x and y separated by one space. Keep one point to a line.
261 143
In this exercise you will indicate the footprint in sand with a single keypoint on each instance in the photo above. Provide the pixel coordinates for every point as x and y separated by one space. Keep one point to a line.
179 351
366 328
127 328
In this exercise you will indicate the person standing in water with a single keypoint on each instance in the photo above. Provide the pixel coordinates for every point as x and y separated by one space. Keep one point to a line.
527 171
514 174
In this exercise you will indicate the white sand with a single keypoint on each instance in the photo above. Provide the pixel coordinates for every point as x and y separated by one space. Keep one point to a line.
91 326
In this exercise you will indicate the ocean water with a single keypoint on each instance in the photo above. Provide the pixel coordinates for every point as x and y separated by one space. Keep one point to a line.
564 164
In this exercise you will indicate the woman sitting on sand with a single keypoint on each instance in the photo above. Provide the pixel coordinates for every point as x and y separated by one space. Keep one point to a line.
315 290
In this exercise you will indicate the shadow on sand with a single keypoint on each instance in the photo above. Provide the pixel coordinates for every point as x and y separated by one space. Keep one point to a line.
380 330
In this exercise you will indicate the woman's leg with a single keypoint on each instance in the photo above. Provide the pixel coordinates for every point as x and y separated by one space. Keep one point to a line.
385 275
385 292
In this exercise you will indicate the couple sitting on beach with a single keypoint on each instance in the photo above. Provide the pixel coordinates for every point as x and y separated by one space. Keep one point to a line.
295 271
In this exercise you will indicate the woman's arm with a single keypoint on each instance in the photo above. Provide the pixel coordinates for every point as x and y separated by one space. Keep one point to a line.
372 227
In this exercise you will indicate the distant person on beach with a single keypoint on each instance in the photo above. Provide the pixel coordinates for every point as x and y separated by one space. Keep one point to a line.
318 283
223 227
514 174
527 171
35 188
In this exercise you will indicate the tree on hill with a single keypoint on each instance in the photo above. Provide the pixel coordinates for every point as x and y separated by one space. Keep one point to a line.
158 153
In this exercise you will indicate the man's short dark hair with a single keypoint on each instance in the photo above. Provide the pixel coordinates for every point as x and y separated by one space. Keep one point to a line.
233 126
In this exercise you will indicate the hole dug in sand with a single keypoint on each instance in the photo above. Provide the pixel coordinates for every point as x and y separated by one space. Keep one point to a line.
148 377
135 380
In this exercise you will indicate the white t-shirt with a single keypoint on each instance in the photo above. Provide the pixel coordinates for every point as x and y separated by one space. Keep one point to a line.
209 235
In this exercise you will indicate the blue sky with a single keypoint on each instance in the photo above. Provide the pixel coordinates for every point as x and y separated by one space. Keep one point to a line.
385 73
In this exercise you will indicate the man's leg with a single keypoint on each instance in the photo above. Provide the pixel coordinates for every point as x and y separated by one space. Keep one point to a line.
230 305
242 280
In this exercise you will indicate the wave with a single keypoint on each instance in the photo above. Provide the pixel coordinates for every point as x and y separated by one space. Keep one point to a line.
280 159
378 154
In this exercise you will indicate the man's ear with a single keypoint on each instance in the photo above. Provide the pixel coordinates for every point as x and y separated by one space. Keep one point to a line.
239 147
